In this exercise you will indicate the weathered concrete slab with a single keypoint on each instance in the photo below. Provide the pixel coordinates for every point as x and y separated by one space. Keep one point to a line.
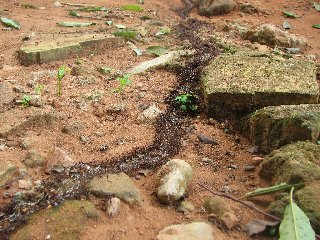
247 81
293 163
274 127
66 46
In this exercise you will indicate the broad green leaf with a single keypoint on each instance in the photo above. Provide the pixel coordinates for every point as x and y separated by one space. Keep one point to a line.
157 50
120 26
76 24
290 14
135 8
273 189
93 9
74 14
316 26
124 33
317 6
295 224
10 23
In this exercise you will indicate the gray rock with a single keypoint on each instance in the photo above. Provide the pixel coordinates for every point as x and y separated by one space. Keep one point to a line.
25 184
215 7
273 36
7 171
36 101
191 231
37 52
113 206
119 185
247 81
57 160
33 159
222 211
172 59
31 118
185 206
73 128
292 163
174 178
6 94
274 127
150 114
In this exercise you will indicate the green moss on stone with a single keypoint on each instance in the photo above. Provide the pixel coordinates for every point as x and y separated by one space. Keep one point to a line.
66 222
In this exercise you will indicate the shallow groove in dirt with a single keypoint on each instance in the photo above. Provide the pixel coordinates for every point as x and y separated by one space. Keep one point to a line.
169 131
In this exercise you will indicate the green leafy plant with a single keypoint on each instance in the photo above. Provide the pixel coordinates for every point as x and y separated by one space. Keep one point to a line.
290 14
62 71
135 8
74 14
123 82
38 89
187 102
10 23
93 9
25 101
125 34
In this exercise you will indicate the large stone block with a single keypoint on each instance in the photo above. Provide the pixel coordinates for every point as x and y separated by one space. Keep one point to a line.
247 81
293 163
53 49
274 127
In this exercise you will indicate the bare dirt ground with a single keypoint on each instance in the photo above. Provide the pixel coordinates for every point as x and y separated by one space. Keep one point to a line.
122 132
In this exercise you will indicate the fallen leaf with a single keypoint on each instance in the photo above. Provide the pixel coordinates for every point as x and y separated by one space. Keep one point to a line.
120 26
295 224
10 23
256 227
76 24
290 14
316 26
157 50
74 14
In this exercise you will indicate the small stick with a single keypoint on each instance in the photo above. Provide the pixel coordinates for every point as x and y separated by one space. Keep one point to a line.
239 201
244 203
76 4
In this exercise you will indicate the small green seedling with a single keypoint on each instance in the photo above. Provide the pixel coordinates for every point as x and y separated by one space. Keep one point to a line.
123 82
25 101
187 102
62 71
38 89
105 70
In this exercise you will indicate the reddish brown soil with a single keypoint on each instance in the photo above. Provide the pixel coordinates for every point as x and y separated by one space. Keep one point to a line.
123 133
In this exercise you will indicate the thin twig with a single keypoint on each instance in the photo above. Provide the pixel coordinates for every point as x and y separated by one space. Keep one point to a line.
239 201
76 4
245 204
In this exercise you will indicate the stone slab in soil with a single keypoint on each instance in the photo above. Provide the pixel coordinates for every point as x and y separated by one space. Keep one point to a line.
119 185
271 35
66 46
29 117
215 7
191 231
247 81
65 222
292 163
273 127
7 170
